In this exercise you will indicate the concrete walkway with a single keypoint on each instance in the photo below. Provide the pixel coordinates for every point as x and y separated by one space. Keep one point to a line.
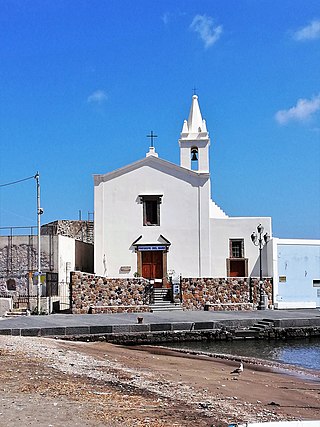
87 324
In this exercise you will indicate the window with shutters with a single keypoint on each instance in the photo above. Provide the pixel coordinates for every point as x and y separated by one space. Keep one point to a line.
236 248
237 264
151 209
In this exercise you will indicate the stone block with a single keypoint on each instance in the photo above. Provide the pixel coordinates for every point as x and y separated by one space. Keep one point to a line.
49 332
31 332
119 329
5 305
159 327
182 326
139 328
78 330
203 325
100 329
5 331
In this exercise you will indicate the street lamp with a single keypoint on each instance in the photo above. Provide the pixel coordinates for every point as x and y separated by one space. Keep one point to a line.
260 240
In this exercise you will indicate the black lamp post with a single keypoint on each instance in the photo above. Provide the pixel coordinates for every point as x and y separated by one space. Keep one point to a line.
260 240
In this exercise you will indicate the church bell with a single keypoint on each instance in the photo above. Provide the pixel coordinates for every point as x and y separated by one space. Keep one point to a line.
194 155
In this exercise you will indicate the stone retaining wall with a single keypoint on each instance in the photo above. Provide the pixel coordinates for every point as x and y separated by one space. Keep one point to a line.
149 337
94 294
222 294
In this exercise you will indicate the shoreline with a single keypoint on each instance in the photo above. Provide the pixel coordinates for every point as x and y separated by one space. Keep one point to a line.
102 384
255 362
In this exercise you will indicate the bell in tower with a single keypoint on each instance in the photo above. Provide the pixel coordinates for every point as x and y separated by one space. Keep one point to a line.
194 141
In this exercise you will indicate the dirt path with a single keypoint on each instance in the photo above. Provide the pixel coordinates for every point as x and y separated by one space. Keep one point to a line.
47 382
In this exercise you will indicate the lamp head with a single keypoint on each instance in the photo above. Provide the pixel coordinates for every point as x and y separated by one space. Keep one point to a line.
266 237
260 229
254 237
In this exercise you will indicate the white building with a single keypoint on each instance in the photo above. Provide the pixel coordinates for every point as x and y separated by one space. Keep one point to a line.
154 218
296 273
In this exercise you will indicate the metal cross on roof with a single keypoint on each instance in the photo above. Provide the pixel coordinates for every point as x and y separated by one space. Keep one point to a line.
195 90
152 136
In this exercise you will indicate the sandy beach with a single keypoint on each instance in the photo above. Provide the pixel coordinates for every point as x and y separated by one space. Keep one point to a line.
48 382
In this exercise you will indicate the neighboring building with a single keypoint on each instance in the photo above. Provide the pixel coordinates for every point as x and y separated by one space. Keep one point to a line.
154 218
65 246
296 271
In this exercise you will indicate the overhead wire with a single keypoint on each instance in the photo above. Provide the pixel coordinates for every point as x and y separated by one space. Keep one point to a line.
16 182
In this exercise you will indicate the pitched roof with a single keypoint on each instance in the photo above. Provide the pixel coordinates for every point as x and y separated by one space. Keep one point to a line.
156 163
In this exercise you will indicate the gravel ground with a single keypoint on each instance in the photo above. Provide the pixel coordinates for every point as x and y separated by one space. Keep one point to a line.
47 382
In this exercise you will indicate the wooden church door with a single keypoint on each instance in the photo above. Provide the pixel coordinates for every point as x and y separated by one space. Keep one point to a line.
152 265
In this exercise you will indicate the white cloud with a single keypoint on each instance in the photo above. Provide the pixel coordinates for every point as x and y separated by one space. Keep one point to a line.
97 97
310 32
165 18
303 110
204 26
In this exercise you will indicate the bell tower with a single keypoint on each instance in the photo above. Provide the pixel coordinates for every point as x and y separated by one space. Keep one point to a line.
194 141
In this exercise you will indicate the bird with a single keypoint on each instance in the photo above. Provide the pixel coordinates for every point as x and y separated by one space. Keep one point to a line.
238 370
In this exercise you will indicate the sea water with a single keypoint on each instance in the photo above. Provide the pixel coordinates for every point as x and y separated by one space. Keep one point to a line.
302 353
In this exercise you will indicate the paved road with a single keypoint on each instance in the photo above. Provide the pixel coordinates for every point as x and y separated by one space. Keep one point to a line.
67 324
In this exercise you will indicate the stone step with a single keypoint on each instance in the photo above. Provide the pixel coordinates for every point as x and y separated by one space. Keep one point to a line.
156 298
265 322
162 302
246 334
160 291
161 295
165 307
17 313
261 325
256 328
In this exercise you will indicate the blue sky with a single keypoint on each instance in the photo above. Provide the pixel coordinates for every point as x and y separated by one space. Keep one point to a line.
83 82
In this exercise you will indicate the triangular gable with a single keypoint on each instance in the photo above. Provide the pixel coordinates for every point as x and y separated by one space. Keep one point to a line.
156 163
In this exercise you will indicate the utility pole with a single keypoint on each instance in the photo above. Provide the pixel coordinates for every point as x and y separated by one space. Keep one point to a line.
39 213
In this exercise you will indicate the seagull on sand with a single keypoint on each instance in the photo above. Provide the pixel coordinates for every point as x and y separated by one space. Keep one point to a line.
238 370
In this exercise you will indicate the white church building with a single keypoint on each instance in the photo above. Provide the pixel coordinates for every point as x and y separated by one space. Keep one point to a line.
155 219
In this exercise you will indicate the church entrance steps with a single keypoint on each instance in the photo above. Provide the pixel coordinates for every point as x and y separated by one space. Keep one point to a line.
162 300
166 306
161 294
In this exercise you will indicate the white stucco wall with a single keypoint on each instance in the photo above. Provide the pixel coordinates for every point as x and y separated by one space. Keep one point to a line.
297 262
224 229
184 219
65 258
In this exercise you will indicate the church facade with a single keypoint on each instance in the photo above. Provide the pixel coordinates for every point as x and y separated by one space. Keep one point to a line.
155 219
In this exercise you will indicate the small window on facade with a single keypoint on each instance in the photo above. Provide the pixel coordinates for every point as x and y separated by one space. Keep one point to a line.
151 209
11 285
237 248
316 283
194 158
